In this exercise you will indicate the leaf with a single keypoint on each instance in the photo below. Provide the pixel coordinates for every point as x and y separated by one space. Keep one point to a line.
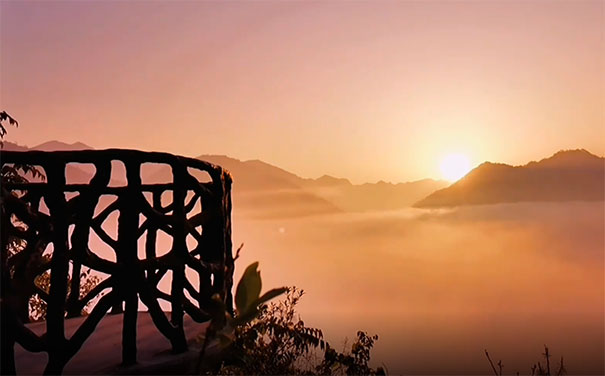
248 288
270 295
245 317
252 311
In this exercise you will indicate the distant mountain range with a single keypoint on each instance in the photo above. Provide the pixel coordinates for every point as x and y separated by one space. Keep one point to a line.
570 175
58 145
280 192
262 190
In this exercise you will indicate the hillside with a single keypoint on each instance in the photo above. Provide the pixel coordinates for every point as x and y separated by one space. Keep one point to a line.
261 190
372 196
571 175
11 146
80 173
259 183
55 145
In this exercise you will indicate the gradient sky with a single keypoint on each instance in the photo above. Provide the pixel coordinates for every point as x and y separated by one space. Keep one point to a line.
363 90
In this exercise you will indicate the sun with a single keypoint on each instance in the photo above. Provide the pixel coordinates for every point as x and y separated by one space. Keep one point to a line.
455 166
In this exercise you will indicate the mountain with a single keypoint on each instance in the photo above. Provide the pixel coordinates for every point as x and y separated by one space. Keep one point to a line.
255 175
11 146
79 173
257 183
261 190
371 196
570 175
60 146
327 181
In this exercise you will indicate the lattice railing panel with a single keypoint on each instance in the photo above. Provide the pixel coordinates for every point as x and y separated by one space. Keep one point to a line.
115 228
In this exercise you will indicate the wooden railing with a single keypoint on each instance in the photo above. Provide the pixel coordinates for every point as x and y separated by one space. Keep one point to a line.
74 212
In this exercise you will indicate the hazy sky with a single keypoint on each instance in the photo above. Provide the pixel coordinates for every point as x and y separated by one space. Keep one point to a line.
366 90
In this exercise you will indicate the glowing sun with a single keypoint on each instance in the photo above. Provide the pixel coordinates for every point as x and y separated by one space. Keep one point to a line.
455 166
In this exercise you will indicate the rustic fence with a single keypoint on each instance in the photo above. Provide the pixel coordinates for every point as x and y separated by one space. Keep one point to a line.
75 212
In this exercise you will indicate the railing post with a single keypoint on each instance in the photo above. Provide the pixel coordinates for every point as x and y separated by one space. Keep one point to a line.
55 325
128 226
179 250
228 248
79 241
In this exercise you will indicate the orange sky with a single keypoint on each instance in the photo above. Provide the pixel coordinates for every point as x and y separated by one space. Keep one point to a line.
363 90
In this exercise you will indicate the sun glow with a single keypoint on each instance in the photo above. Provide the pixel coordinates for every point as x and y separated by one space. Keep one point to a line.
455 166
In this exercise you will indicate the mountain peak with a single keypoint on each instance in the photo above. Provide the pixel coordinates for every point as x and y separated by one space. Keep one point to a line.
577 152
55 145
572 158
328 180
11 146
568 175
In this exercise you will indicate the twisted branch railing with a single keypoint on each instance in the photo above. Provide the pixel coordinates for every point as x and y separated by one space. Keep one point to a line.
130 277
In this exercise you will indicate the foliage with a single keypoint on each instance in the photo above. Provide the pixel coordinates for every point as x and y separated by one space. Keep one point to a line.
37 306
223 323
271 339
17 173
4 117
354 362
247 296
274 341
277 342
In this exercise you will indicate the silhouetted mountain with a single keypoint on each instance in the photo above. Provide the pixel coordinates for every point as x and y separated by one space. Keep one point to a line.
372 196
327 181
59 145
11 146
255 175
74 173
263 190
259 183
572 175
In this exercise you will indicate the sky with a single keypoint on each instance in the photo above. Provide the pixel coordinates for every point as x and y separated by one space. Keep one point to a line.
366 90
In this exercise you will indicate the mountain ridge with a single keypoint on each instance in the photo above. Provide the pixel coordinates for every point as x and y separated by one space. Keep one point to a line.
262 179
261 189
567 175
574 174
55 145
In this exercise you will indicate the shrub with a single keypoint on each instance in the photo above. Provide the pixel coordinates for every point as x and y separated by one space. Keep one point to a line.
272 339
